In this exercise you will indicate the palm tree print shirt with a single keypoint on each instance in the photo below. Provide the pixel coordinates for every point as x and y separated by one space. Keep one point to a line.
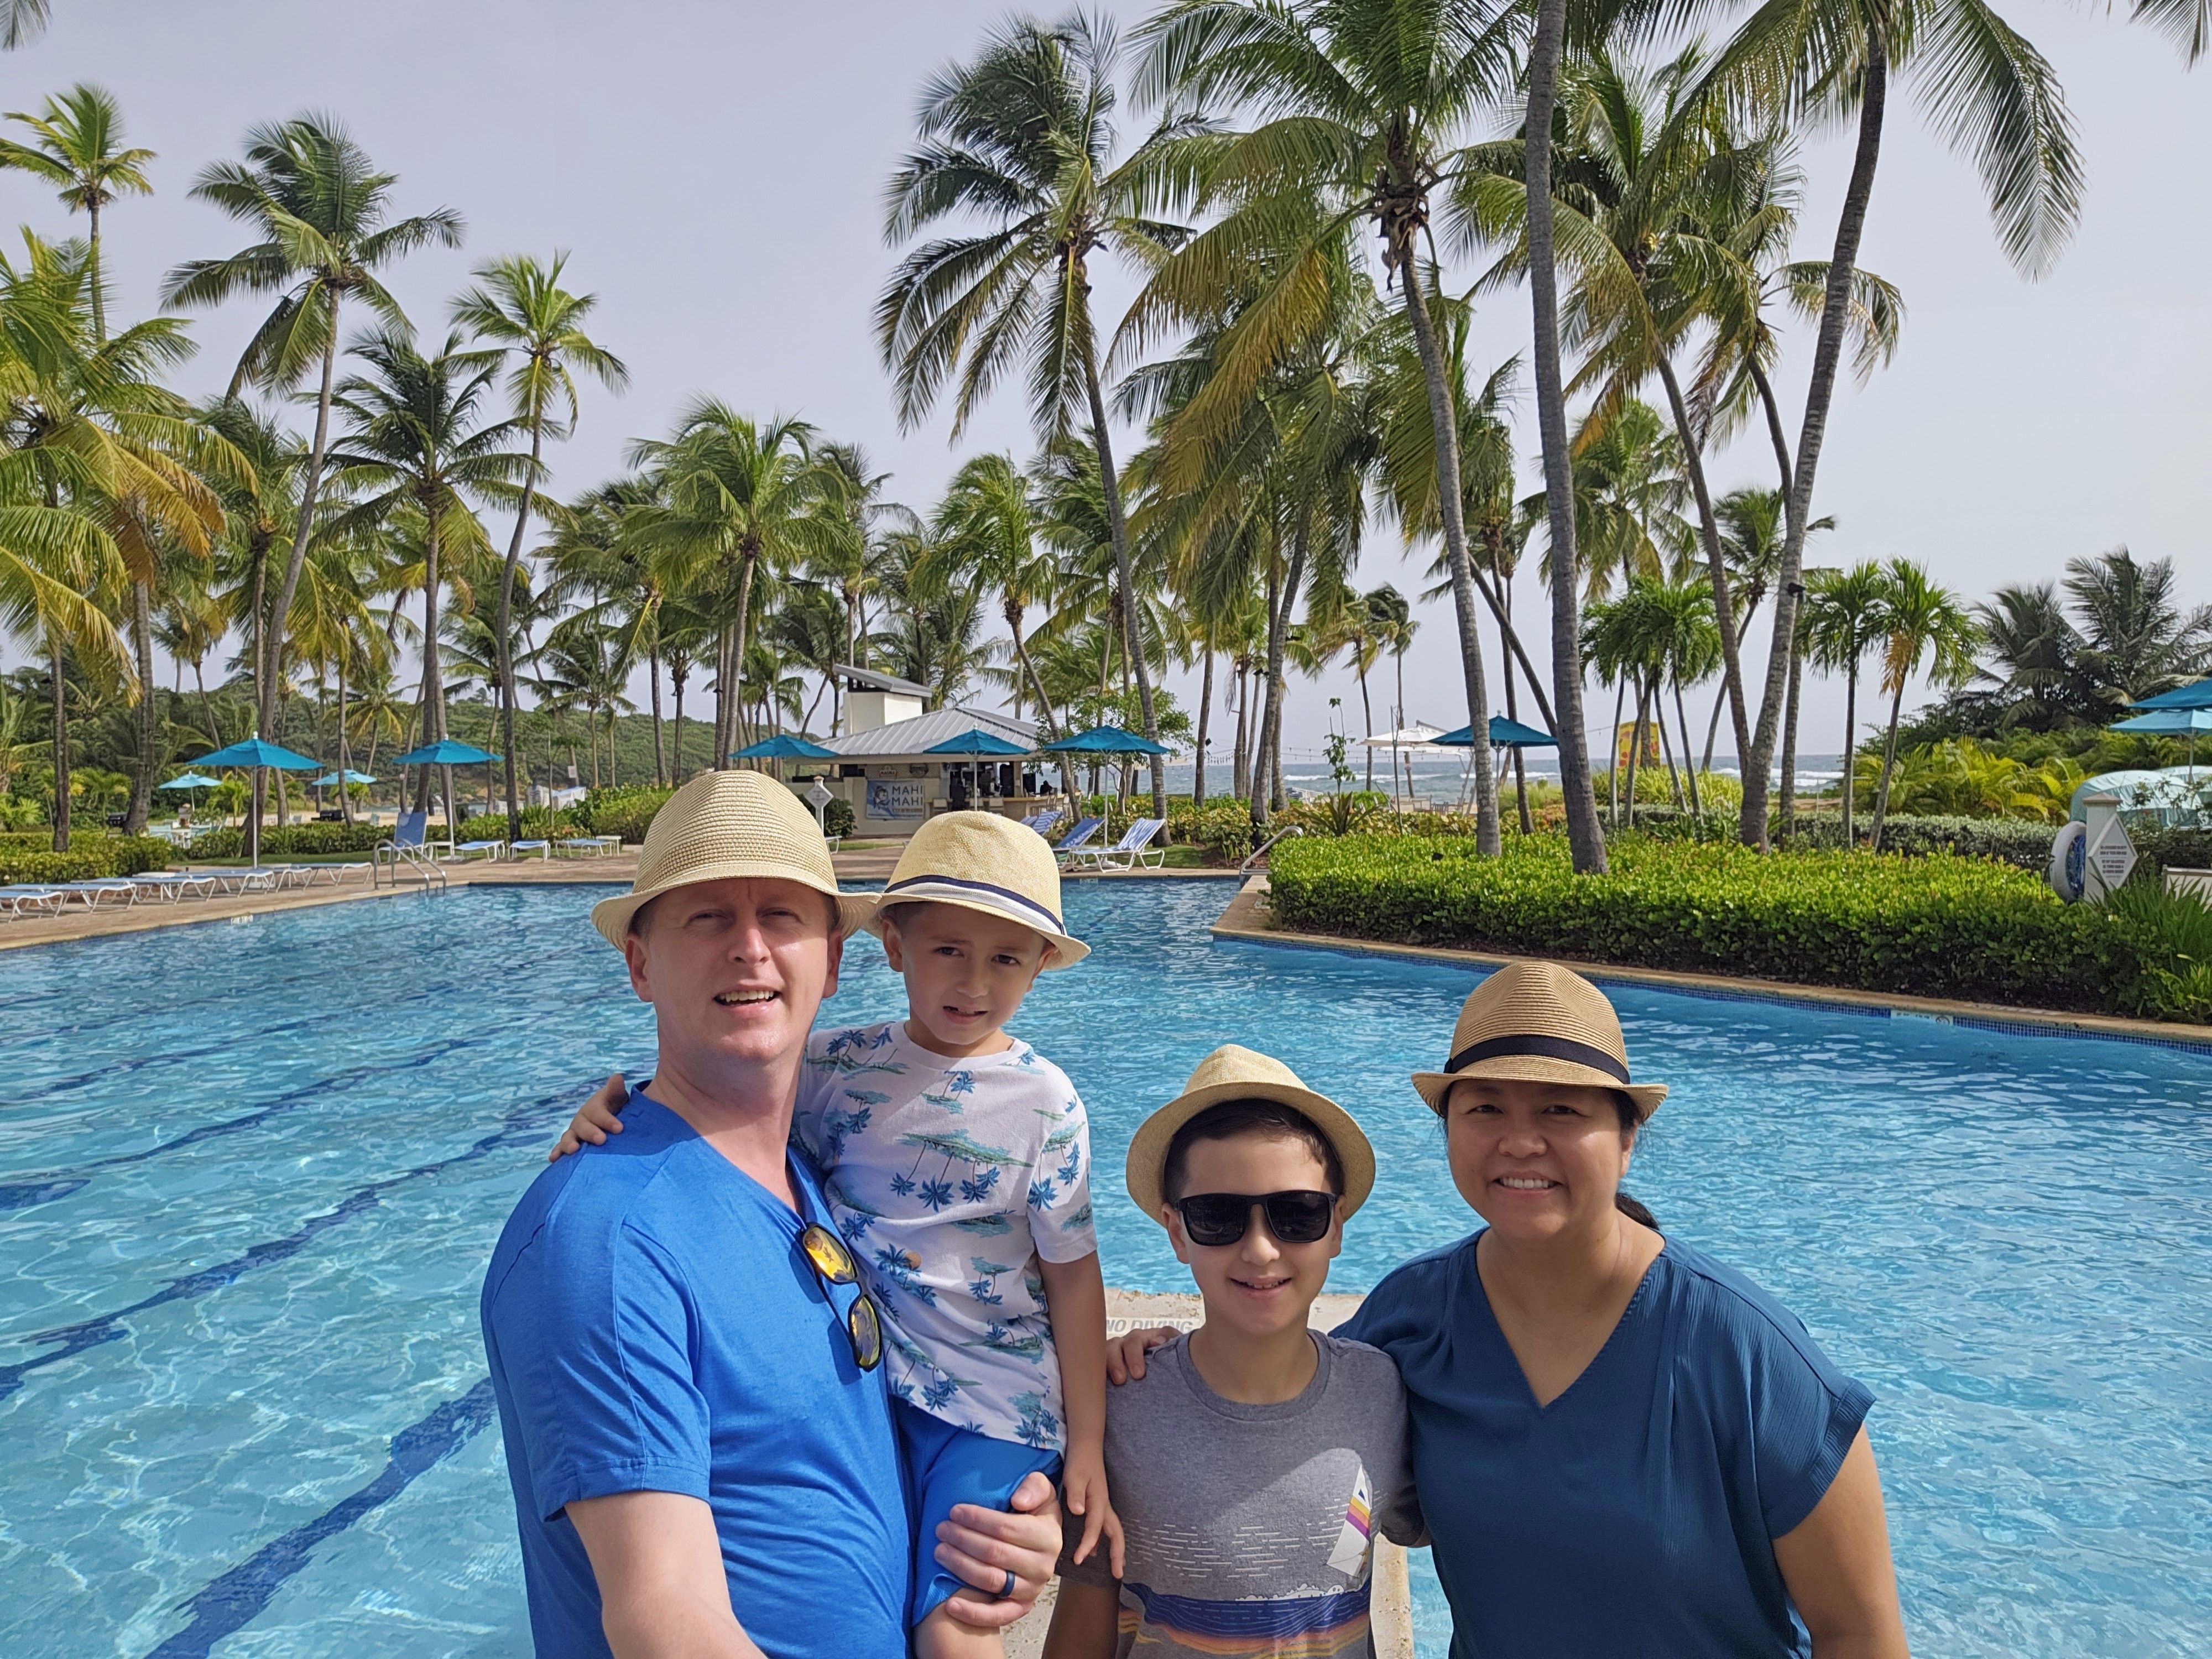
948 1180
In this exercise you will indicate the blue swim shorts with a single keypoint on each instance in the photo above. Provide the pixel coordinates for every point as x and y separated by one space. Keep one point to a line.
946 1466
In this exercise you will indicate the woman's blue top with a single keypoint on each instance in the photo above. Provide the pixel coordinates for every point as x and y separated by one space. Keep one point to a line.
1636 1513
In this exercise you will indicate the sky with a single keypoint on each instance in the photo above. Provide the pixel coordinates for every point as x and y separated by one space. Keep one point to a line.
715 171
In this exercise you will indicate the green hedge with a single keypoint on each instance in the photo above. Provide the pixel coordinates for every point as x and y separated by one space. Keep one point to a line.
1937 926
538 824
626 811
89 858
293 840
2022 845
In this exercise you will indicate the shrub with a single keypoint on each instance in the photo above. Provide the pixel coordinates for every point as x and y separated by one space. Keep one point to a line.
2024 845
2167 971
838 818
293 840
625 811
89 858
538 824
1938 926
2174 849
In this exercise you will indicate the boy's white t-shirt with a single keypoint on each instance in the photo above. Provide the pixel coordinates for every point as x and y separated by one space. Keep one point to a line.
947 1179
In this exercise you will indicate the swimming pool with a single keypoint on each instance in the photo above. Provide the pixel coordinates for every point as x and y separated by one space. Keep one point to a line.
251 1175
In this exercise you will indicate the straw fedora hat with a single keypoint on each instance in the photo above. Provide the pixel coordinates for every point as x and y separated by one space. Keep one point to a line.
1233 1074
729 824
1536 1022
981 861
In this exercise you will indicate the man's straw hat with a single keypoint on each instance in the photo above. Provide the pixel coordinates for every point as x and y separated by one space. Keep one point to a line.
1536 1022
981 861
1233 1074
729 824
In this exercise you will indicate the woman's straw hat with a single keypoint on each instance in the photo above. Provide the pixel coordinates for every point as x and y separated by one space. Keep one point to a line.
729 824
1536 1022
981 861
1233 1074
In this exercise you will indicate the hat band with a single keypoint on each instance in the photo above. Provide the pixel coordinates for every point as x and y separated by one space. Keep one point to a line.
951 887
1546 1048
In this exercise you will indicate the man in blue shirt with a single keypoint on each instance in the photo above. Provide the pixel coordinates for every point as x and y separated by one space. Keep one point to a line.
700 1445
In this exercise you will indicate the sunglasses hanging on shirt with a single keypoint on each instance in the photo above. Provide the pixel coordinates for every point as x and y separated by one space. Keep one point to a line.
1223 1218
833 1264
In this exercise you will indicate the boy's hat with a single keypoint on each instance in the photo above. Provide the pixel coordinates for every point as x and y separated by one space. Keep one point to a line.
1536 1022
981 861
729 824
1233 1074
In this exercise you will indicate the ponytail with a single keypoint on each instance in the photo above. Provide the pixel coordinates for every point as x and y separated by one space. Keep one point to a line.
1634 1211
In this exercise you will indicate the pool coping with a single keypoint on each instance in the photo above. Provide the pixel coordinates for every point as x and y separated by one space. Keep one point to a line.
1245 919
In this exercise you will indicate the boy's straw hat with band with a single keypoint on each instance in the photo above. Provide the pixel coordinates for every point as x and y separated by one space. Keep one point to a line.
1536 1022
1233 1074
729 824
981 861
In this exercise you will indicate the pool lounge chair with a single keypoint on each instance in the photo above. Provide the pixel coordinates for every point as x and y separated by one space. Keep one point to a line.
589 847
261 878
172 885
543 848
119 890
409 848
490 851
25 901
1071 845
1044 821
1131 850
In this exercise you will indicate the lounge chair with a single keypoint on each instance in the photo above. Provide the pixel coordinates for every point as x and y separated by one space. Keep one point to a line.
589 847
27 900
410 846
490 851
172 885
262 879
1131 850
1071 845
121 890
1042 822
543 848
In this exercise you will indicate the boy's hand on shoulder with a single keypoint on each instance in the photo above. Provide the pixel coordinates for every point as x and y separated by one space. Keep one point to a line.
1125 1354
595 1120
1083 1483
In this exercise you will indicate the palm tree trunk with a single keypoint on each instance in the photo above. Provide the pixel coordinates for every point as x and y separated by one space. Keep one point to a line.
501 622
1789 749
1666 743
345 752
1709 534
1037 685
59 683
1827 355
1267 759
1520 772
737 711
272 646
1682 718
1613 756
207 703
99 302
1585 836
1109 485
677 681
660 755
1239 760
1850 749
1205 717
1488 838
147 711
1635 750
1888 766
1367 714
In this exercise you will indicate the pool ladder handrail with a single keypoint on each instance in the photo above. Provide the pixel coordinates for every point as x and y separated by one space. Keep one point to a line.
417 858
1259 853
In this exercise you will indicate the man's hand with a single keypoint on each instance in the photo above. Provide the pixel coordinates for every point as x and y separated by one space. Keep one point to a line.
1125 1355
662 1593
983 1546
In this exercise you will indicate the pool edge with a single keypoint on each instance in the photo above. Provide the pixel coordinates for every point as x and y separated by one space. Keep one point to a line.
1243 922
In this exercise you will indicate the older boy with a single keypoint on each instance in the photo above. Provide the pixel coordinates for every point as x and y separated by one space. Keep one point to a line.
697 1432
1253 1460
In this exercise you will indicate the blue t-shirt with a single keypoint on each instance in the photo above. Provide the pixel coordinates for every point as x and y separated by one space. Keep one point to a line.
1636 1513
653 1326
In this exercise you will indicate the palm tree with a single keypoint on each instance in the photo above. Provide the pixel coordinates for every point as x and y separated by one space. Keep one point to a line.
21 21
1364 112
739 495
853 558
1993 95
987 532
1919 621
2134 640
324 213
1022 138
1843 615
416 443
76 147
520 308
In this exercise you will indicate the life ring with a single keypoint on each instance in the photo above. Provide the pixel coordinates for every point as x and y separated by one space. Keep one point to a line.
2069 861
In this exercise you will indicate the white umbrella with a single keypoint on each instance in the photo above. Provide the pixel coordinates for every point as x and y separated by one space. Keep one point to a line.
1419 738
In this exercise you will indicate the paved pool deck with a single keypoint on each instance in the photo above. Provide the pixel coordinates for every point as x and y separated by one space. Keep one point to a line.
1247 919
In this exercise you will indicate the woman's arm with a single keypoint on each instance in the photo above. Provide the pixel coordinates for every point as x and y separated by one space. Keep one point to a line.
1086 1622
1836 1565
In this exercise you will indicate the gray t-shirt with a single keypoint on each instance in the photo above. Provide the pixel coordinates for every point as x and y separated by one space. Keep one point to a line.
1246 1528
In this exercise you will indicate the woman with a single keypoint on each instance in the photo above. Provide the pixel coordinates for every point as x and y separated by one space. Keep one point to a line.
1621 1446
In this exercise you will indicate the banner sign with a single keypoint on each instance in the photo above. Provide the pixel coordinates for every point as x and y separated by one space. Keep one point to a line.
898 798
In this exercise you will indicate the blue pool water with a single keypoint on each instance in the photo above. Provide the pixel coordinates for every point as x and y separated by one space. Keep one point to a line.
250 1176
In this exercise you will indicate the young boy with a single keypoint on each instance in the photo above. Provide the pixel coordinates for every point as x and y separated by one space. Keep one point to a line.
956 1161
1252 1462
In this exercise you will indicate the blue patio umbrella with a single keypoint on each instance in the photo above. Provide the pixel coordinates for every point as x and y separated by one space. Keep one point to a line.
351 776
976 741
448 752
253 753
1504 734
784 746
2197 695
2174 721
192 781
1103 740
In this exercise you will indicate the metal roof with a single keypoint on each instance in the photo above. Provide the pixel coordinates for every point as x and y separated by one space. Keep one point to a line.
867 677
924 732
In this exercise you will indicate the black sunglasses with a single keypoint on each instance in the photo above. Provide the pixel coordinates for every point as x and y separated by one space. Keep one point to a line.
1222 1217
833 1264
